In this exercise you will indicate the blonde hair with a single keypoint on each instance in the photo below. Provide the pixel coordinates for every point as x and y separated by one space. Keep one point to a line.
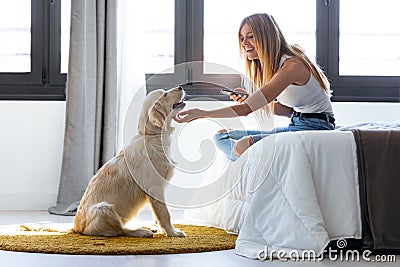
271 45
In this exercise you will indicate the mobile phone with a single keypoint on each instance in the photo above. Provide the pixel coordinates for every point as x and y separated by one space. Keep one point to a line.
227 91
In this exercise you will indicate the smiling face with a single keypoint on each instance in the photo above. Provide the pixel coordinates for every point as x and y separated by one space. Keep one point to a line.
247 41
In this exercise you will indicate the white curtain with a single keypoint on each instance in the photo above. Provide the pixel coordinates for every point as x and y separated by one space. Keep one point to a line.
105 90
131 74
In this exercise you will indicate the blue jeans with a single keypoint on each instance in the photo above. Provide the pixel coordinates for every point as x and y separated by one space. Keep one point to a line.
226 141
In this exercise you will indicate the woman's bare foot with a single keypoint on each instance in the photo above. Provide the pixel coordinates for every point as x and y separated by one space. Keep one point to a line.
242 145
223 131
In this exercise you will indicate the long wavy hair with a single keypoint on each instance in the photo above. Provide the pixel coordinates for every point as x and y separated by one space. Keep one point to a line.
271 45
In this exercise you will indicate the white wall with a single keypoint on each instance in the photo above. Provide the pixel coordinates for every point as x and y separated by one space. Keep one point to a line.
31 140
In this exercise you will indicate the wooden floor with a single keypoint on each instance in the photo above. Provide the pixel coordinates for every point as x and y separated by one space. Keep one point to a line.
220 258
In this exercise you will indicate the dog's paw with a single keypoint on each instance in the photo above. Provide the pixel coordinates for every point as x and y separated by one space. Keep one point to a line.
139 232
176 233
145 233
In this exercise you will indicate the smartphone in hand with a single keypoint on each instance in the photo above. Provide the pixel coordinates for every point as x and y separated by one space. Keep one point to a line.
227 91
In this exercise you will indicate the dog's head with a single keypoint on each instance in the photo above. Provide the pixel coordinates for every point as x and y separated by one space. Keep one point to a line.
158 109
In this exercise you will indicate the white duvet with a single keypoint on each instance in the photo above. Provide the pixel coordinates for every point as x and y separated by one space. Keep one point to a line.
290 191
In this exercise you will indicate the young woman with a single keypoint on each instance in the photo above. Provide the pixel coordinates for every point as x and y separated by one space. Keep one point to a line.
287 84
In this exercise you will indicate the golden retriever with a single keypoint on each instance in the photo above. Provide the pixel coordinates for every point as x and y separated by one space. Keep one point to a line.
136 176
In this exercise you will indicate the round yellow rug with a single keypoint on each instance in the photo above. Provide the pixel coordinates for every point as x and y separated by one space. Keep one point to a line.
198 239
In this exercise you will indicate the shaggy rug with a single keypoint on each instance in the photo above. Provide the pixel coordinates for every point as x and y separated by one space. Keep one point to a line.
55 241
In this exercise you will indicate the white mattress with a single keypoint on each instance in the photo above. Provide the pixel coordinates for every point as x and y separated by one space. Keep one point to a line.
290 191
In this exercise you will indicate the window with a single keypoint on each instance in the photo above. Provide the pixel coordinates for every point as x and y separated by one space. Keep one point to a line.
356 43
33 51
15 53
187 67
160 25
221 35
358 46
369 45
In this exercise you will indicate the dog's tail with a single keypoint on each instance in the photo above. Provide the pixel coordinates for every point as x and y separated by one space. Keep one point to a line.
103 220
103 207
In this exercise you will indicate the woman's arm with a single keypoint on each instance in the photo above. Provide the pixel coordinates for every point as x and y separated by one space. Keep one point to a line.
227 112
292 72
282 110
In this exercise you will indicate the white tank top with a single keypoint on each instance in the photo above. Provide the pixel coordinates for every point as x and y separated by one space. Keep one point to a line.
308 98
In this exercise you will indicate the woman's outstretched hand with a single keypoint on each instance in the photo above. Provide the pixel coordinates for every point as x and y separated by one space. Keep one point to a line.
240 96
189 115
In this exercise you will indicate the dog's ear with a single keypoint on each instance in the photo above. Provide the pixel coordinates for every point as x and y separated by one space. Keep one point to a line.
157 116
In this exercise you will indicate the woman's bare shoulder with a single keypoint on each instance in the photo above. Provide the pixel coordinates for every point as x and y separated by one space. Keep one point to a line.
297 69
293 62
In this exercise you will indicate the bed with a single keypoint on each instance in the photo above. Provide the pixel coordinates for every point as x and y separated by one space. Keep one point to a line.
293 192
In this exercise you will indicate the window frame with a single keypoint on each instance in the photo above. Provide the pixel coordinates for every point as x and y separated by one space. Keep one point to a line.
44 82
188 58
348 88
189 32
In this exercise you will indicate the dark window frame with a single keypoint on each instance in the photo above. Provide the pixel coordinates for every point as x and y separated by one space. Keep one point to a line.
189 56
189 47
348 88
45 81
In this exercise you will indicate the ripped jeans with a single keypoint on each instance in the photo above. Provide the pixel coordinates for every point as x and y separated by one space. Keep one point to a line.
226 141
